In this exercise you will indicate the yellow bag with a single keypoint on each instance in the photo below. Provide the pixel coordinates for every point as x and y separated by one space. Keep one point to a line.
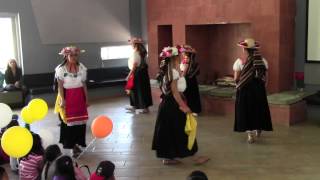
191 129
58 109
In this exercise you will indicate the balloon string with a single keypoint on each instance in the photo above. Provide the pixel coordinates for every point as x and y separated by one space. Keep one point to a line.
86 149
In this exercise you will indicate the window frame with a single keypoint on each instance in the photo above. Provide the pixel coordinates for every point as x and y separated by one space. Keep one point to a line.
15 18
112 46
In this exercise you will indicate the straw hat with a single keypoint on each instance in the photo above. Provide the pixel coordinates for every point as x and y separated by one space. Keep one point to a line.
249 43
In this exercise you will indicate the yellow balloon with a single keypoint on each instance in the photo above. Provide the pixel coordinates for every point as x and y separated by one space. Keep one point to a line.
26 115
17 141
38 108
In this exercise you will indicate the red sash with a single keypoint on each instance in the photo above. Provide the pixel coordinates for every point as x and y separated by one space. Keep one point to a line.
76 107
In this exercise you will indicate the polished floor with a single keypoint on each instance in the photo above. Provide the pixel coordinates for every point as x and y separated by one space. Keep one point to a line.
287 153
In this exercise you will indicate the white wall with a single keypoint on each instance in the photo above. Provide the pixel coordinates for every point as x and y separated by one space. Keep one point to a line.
82 21
40 56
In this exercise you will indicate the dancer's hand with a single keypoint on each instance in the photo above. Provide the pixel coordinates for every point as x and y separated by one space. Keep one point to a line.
128 77
185 109
62 103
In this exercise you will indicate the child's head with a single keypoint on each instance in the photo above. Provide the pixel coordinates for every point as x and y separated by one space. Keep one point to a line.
64 168
3 174
37 147
52 152
104 171
197 175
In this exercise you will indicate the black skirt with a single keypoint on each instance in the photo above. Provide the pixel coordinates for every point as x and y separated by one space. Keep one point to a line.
192 94
140 96
72 135
251 108
169 140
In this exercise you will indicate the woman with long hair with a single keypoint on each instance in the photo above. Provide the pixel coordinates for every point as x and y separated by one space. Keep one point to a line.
170 140
252 114
190 69
13 76
140 93
72 100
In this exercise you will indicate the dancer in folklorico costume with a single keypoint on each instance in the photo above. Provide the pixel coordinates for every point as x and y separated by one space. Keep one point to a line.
252 114
72 100
190 69
138 81
170 140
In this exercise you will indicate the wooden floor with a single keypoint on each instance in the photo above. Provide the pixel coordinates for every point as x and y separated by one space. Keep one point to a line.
287 153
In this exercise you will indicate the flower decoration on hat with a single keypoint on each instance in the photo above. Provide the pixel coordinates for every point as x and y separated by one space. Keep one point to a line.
168 52
135 40
71 50
249 43
186 48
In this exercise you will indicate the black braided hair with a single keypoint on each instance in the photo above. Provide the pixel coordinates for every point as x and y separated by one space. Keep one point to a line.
164 76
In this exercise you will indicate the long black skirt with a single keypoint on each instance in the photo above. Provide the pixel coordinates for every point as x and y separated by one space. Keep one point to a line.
72 135
169 139
251 108
140 96
192 94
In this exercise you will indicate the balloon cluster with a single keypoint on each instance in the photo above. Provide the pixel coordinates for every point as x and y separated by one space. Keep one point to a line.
36 110
6 115
17 141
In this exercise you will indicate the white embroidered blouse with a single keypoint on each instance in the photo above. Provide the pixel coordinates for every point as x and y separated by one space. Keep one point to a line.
134 58
72 80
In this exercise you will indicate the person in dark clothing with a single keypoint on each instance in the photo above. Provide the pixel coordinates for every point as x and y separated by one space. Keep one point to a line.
190 69
252 114
13 76
170 140
140 93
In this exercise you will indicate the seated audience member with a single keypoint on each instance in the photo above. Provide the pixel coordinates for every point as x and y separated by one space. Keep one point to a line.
1 81
52 153
3 174
30 166
197 175
64 169
104 171
4 158
13 76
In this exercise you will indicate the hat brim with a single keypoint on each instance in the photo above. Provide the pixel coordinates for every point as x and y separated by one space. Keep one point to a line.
243 44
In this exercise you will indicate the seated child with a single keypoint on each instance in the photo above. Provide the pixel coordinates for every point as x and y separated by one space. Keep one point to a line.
4 158
197 175
105 171
66 170
3 174
52 153
30 166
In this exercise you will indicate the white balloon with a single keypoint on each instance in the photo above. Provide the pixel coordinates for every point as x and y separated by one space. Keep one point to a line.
5 115
46 137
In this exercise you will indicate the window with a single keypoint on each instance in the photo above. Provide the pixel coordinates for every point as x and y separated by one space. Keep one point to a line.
116 52
9 43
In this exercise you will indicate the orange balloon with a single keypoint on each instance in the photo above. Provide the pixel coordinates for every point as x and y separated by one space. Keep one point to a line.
101 127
